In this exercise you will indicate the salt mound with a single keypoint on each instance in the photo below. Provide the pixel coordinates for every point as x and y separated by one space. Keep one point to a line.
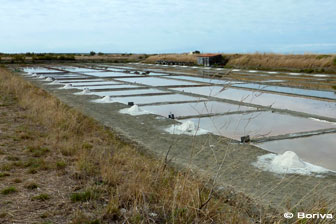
288 160
34 75
41 77
49 79
105 99
134 111
85 91
287 163
67 86
187 128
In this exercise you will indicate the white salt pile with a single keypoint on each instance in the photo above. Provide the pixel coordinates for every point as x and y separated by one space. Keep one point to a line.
287 163
105 99
34 75
41 77
134 111
49 79
67 86
86 91
187 128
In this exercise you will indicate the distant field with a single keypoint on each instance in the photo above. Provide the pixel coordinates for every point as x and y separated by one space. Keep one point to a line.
308 63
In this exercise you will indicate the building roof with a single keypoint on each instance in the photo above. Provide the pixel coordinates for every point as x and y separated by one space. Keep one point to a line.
208 55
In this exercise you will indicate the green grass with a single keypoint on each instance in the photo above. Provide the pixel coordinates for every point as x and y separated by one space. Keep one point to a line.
60 165
4 175
31 186
8 190
81 196
41 197
334 60
38 151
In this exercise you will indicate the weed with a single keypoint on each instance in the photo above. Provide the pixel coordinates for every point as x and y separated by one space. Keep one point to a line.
84 196
17 180
12 158
334 60
60 165
4 175
8 190
6 167
37 151
41 197
31 186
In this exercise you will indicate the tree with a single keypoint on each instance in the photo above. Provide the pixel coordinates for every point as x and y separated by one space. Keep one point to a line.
92 53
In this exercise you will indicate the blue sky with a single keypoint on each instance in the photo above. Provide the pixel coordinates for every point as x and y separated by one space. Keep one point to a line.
154 26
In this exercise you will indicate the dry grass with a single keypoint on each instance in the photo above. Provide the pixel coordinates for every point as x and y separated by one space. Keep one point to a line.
304 63
128 186
172 57
281 61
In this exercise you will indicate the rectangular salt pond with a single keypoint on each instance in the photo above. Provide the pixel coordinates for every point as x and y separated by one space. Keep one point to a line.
84 81
259 124
40 70
77 69
155 99
318 149
105 87
310 106
102 83
192 109
110 74
205 80
153 81
127 92
282 89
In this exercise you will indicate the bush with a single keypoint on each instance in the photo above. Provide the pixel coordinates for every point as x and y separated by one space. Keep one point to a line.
334 60
92 53
100 53
19 58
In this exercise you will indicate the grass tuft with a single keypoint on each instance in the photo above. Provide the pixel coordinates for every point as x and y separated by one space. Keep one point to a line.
4 175
31 186
81 196
8 190
41 197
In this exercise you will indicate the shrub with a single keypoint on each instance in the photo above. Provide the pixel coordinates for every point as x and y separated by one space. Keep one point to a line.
334 60
92 53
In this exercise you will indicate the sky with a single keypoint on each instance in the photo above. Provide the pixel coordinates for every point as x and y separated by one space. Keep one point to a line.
155 26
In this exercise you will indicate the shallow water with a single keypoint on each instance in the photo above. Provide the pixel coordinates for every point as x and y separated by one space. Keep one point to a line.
153 81
39 70
205 80
110 74
102 83
155 99
114 86
318 149
317 107
127 92
192 109
77 69
305 92
259 124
